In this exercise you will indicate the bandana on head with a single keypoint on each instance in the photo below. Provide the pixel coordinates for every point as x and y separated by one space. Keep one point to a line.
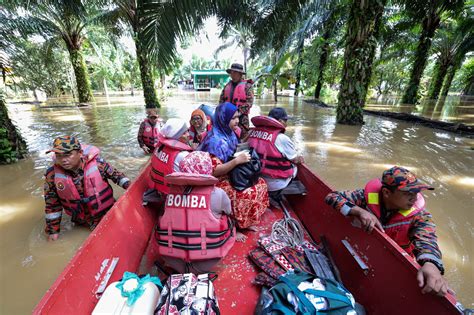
221 141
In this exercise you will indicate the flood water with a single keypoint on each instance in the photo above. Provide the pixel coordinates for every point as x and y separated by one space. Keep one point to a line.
345 156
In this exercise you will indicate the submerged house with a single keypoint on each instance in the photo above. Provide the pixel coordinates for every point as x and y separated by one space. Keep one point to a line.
204 80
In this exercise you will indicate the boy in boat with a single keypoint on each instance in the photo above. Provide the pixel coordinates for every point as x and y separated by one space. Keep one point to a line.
77 183
240 93
148 131
276 150
394 205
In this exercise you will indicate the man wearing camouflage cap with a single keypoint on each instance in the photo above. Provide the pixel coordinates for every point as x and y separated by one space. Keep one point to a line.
77 183
394 205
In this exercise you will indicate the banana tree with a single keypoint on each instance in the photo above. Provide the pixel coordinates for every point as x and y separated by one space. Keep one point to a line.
269 76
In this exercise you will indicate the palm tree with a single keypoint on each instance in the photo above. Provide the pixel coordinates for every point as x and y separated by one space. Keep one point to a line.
431 12
238 36
59 21
361 40
451 45
129 13
12 145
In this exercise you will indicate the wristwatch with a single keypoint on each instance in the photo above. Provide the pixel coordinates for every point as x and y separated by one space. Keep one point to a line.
434 262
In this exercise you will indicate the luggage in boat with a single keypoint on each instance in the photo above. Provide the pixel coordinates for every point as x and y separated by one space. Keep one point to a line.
188 294
302 293
131 295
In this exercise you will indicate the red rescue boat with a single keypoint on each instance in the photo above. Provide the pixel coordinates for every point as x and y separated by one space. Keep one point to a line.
380 275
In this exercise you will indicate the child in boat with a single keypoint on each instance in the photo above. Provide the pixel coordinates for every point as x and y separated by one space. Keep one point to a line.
221 142
198 163
394 205
276 150
200 126
148 132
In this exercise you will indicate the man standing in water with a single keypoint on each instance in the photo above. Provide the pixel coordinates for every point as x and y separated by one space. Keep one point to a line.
240 93
77 183
394 205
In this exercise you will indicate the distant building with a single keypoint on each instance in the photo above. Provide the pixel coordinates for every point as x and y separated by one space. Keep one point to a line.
204 80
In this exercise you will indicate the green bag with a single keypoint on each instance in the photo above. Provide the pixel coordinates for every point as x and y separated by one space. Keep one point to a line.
338 299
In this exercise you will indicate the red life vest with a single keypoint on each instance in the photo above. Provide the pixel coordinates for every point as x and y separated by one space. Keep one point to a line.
262 138
162 162
188 230
150 134
98 195
399 224
239 97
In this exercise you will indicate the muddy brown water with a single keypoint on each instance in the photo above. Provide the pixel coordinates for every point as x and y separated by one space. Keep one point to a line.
345 156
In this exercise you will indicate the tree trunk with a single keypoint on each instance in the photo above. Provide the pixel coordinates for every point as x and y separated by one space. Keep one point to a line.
430 24
298 72
469 88
361 40
324 56
441 69
151 101
275 90
12 145
82 79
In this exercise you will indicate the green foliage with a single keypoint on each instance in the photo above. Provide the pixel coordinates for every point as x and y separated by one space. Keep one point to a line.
272 73
12 146
40 66
465 76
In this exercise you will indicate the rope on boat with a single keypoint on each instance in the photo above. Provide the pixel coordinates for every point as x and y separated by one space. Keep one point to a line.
288 232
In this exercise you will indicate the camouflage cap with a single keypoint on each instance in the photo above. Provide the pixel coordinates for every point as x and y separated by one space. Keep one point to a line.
402 179
65 144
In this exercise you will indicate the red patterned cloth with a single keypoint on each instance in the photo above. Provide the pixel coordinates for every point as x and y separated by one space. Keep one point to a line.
248 205
196 162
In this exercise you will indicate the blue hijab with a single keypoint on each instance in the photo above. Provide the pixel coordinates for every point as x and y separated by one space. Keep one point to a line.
221 141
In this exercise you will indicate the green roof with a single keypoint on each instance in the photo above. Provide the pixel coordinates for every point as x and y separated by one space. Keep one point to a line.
208 72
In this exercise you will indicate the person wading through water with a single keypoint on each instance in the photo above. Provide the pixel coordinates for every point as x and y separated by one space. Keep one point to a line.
240 93
78 183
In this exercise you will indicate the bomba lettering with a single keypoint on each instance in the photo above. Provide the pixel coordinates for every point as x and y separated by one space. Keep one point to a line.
261 135
162 156
186 201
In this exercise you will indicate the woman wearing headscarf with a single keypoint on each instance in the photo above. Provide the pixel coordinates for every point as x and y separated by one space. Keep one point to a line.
200 126
221 142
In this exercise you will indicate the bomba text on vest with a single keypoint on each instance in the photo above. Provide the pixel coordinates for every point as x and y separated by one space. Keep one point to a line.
162 156
186 201
261 135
